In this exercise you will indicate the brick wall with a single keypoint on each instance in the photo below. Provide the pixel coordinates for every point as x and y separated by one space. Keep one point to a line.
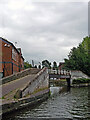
0 56
6 57
15 62
22 64
1 71
11 58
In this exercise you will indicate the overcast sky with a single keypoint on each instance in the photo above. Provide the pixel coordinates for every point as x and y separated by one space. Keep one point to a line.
44 30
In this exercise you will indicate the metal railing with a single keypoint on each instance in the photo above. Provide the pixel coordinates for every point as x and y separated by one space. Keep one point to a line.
59 72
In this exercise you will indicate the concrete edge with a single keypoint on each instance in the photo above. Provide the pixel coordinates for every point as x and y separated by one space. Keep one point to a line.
81 85
24 102
17 75
36 76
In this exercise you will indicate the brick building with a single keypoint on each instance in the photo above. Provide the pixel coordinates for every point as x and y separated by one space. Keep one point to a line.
61 65
11 59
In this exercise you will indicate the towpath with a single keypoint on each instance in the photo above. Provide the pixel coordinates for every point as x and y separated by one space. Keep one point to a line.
19 83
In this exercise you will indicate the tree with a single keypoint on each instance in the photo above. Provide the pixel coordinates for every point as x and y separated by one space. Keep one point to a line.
86 44
35 66
46 63
27 65
54 65
79 59
39 66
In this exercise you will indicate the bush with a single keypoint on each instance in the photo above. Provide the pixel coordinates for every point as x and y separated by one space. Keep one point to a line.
81 80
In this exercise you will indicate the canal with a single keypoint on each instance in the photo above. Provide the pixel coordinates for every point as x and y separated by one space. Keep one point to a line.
66 103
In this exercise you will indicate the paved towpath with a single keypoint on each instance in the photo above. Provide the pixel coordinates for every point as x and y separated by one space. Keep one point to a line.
19 83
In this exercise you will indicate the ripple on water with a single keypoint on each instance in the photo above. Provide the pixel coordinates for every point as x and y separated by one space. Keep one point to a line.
73 104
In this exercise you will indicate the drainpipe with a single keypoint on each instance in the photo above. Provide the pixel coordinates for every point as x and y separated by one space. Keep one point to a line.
4 70
12 67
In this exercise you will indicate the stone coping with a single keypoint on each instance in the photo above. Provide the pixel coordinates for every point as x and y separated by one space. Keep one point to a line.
36 76
20 75
28 97
12 106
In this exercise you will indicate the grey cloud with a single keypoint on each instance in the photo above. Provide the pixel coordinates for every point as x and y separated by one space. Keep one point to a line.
44 30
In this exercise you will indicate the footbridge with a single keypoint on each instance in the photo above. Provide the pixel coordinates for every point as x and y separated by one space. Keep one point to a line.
63 74
24 83
26 88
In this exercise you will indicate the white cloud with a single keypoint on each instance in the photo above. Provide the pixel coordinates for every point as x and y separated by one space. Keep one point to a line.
43 30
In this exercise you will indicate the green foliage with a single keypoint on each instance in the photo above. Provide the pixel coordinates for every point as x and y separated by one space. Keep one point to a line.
35 66
81 80
86 44
18 94
46 63
79 58
54 65
2 97
27 65
39 66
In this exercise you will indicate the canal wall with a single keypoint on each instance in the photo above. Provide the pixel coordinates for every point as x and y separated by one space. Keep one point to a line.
81 85
29 101
36 89
19 75
77 74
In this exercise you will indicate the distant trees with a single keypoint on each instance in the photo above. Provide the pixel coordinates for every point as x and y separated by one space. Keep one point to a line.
46 63
39 66
35 66
27 65
54 65
79 58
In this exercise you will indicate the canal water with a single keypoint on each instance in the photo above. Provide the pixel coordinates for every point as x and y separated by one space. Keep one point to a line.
66 103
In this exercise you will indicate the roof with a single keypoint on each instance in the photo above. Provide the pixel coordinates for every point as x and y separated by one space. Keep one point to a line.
22 57
11 45
19 50
62 63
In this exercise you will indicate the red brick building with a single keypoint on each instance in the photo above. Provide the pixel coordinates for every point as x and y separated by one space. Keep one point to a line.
61 65
11 59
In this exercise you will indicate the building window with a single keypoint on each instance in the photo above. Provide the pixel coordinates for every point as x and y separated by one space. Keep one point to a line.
14 54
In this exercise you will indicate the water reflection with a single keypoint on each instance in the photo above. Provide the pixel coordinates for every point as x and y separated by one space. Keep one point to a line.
55 90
